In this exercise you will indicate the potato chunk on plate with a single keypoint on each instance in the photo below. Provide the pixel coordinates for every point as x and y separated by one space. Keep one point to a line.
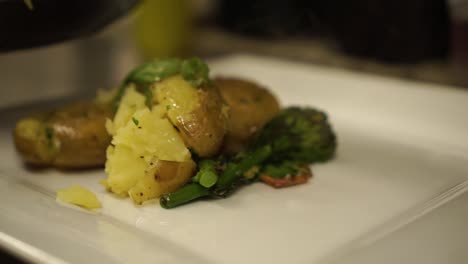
78 195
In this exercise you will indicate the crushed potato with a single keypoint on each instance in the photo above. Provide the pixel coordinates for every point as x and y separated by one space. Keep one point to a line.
80 196
152 131
145 143
131 102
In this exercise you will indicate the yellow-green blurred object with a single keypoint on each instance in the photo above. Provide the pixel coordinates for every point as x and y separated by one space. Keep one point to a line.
163 27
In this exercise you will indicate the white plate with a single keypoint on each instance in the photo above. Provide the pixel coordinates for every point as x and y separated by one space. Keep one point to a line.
402 151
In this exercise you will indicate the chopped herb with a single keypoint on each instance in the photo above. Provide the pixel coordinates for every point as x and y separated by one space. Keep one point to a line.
135 121
168 107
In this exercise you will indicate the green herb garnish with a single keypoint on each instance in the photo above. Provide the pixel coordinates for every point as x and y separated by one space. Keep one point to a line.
154 71
135 121
192 70
195 71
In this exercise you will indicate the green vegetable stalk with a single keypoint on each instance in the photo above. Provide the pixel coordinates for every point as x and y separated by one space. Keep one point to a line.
184 195
235 170
295 137
207 175
301 136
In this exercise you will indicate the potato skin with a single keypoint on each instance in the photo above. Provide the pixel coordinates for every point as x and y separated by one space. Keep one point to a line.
164 177
31 141
250 107
203 130
199 113
72 137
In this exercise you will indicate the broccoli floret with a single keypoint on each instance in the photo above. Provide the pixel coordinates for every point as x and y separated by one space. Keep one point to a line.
299 134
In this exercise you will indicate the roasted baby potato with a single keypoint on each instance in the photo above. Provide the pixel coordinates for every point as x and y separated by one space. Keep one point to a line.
71 137
199 114
250 107
139 144
153 131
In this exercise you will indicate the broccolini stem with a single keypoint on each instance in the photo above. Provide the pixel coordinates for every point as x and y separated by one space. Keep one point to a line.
234 171
183 195
207 175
